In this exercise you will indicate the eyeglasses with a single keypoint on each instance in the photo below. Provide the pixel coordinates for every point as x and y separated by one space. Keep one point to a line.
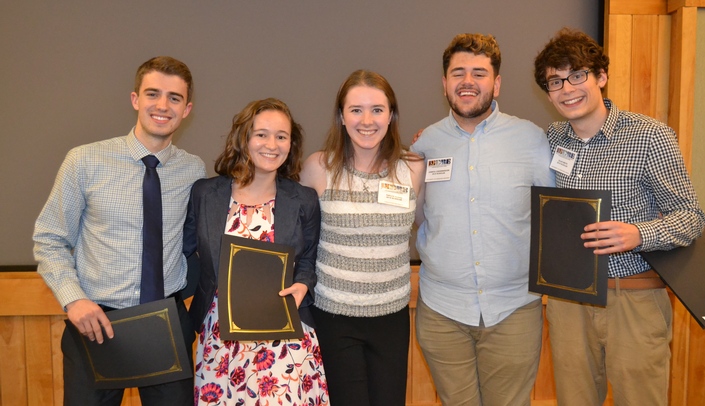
574 78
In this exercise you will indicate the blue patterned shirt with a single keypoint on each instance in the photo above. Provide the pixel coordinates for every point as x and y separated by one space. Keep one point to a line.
88 237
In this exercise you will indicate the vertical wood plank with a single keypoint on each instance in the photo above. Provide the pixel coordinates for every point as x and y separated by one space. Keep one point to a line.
682 84
663 66
619 49
679 353
545 386
13 371
38 360
644 55
696 368
57 359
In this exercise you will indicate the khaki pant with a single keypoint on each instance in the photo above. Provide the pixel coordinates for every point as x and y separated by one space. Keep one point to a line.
490 366
626 342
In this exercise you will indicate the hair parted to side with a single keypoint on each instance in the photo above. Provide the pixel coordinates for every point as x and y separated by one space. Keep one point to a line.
569 49
168 66
236 162
478 44
338 151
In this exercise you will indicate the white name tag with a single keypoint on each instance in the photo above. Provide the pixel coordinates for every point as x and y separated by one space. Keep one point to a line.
393 194
439 169
563 160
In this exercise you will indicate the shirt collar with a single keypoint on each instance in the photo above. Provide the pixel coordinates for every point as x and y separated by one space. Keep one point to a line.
609 127
485 125
139 151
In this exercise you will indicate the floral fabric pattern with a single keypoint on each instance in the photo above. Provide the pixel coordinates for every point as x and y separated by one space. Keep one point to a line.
257 373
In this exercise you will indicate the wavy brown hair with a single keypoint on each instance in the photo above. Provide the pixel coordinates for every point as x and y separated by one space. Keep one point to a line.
477 44
569 49
235 161
338 152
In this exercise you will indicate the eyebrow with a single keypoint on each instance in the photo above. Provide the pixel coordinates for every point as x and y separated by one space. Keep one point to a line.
153 89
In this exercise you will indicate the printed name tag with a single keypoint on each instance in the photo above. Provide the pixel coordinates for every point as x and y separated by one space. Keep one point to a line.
439 169
393 194
563 161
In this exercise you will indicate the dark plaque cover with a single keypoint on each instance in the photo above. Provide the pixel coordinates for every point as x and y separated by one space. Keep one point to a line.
683 270
560 265
148 348
251 274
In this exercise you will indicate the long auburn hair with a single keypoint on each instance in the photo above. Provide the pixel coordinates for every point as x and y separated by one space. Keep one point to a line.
338 151
235 161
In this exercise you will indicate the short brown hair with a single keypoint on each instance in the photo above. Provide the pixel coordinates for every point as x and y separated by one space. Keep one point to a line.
477 44
235 161
168 66
569 49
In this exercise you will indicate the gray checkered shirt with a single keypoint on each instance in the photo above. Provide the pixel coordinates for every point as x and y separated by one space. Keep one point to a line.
637 158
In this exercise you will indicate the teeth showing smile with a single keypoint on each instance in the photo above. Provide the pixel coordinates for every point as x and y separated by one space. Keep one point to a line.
467 93
160 118
269 155
366 132
573 101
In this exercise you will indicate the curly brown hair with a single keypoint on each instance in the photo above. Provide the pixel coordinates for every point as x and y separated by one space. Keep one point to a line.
569 49
235 161
477 44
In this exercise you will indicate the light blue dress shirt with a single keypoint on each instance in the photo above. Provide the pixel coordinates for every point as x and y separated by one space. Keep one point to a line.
88 237
474 244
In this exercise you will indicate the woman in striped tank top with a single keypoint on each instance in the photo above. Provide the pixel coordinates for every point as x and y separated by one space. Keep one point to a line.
369 187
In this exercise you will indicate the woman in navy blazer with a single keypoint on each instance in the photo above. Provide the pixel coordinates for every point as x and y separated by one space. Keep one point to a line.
258 182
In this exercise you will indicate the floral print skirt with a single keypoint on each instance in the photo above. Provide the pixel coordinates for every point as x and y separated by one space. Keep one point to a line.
257 373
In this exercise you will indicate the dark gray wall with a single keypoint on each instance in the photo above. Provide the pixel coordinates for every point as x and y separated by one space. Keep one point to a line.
67 71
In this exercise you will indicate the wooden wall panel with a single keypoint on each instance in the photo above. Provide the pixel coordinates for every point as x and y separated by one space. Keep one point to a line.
618 46
13 371
38 360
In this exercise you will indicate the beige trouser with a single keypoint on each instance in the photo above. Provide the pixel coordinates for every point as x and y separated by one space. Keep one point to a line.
490 366
626 342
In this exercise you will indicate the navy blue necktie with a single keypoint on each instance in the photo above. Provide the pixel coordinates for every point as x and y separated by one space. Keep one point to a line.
152 285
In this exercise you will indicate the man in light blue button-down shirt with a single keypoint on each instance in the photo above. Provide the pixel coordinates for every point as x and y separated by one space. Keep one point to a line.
477 324
88 237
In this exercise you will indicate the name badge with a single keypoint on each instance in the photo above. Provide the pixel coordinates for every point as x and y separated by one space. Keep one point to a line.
563 160
439 169
393 194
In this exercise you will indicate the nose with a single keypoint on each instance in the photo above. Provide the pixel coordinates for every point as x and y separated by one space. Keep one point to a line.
270 142
162 103
366 117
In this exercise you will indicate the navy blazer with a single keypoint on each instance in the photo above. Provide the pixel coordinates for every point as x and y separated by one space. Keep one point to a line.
297 222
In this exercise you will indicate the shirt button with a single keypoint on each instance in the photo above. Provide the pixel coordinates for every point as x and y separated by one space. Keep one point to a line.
479 291
472 139
472 199
477 263
471 167
474 231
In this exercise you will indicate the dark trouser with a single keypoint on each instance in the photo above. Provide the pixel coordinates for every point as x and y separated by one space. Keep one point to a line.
78 388
365 358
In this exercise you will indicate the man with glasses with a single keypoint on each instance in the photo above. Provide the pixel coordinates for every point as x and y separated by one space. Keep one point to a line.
654 207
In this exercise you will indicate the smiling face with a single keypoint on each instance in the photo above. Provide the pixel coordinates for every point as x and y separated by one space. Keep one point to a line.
366 116
161 105
470 85
582 104
269 141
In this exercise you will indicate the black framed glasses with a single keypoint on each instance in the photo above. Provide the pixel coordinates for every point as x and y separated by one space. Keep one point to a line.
574 78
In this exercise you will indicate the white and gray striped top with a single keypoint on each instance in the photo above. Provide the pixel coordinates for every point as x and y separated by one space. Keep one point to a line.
363 254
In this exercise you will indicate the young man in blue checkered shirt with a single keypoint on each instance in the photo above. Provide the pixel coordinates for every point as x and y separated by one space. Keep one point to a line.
654 207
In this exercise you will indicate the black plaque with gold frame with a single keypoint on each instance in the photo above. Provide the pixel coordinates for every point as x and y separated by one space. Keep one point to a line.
147 349
251 274
560 265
